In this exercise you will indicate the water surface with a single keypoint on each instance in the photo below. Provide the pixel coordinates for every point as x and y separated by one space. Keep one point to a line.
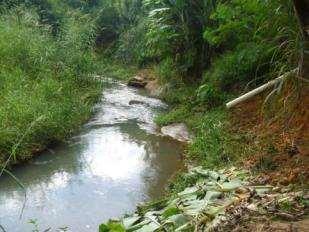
114 163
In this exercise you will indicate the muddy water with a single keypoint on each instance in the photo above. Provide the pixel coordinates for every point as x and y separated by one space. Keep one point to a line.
116 162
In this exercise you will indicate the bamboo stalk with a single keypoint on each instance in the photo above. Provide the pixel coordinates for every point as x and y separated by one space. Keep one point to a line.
259 90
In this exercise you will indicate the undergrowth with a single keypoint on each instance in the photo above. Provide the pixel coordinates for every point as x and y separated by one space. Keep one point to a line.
47 89
113 69
213 144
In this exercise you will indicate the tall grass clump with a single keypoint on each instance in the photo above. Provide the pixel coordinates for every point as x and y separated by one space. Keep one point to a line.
213 144
43 79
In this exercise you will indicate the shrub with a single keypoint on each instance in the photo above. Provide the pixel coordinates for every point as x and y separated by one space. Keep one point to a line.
175 31
255 40
107 25
131 47
210 95
248 62
46 90
176 93
166 71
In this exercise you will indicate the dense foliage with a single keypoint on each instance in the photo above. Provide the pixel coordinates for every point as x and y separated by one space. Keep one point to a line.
221 44
45 79
203 51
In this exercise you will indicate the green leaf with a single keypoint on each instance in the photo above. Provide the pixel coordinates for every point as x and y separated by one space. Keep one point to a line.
178 220
211 195
189 191
130 221
170 212
232 185
194 207
112 226
150 227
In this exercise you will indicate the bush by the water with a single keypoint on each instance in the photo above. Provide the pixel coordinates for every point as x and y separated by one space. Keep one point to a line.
46 87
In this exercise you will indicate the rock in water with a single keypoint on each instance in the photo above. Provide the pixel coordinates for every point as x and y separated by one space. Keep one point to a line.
178 131
138 82
136 102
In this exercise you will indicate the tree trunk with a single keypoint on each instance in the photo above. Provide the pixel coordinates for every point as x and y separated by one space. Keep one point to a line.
302 12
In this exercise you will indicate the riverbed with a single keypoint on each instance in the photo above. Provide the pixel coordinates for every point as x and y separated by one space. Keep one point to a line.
116 161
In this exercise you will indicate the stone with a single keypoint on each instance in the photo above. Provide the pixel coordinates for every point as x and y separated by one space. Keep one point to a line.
136 102
177 131
154 89
137 82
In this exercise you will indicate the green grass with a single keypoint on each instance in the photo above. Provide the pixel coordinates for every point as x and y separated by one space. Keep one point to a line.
111 226
176 115
214 145
212 141
46 87
113 69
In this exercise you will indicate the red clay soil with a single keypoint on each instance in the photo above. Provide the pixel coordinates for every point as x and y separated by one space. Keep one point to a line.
279 136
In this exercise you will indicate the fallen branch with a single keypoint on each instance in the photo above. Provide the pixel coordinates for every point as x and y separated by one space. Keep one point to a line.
259 90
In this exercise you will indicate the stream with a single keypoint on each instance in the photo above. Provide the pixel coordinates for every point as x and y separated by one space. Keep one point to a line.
115 162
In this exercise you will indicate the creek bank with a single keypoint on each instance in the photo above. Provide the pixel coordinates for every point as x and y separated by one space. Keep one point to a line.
216 201
137 82
222 200
154 89
177 131
152 86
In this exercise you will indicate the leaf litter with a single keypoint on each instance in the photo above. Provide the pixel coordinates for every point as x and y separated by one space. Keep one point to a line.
217 202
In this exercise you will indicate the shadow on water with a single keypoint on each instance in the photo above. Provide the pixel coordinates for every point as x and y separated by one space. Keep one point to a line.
116 162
